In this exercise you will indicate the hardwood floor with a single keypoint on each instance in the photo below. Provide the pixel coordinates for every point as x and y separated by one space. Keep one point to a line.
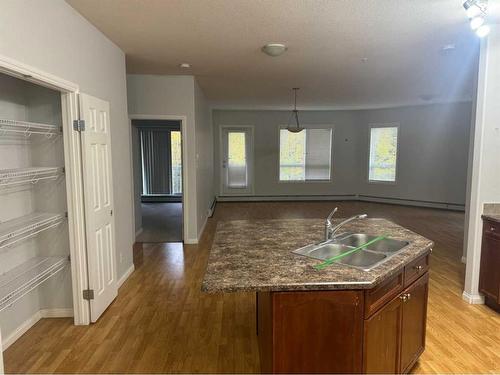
161 322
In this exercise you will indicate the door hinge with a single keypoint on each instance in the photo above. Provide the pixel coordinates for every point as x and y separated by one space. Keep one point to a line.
88 294
79 125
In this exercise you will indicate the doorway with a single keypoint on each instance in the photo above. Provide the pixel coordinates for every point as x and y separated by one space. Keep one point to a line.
158 179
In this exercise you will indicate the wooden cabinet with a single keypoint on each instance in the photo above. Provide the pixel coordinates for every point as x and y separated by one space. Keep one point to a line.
489 279
394 337
381 330
382 339
414 319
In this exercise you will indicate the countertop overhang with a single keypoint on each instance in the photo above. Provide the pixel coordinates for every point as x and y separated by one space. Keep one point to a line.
255 255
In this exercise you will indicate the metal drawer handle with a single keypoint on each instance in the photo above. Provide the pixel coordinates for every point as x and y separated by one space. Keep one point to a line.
492 229
418 268
405 297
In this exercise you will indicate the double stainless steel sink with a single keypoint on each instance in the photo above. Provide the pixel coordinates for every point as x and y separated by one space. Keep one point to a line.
367 258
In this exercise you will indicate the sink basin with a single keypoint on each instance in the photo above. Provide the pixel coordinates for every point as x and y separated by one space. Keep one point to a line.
387 245
366 259
363 259
323 251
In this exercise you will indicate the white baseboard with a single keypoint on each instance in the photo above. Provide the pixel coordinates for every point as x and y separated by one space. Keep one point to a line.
473 299
30 322
191 241
464 259
138 232
125 276
358 198
57 313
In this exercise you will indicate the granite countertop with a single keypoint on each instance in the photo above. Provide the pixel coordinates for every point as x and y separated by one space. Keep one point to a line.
255 255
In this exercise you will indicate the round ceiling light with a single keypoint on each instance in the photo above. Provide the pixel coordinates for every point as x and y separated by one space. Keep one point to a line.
185 65
274 49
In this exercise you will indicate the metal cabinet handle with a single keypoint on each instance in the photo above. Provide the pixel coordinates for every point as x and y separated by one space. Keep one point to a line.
492 229
405 297
418 268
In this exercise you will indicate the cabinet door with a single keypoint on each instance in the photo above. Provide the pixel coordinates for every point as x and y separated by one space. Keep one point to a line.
489 279
414 322
382 339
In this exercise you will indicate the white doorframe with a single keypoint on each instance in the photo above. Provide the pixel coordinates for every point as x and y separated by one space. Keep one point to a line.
72 156
185 180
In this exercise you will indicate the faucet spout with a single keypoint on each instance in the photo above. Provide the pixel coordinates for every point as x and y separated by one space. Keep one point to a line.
330 232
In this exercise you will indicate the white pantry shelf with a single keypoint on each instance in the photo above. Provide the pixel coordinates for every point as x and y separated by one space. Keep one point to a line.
21 176
19 281
28 128
21 228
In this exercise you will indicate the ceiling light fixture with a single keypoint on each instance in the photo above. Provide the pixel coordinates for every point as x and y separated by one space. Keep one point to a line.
185 66
294 118
274 49
477 11
476 22
483 31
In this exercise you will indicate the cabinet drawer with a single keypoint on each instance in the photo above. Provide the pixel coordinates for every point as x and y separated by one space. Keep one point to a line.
377 297
416 269
491 227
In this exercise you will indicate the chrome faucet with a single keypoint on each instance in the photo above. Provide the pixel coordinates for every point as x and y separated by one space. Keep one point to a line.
330 231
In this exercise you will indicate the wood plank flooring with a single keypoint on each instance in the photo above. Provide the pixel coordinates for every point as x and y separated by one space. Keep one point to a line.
161 322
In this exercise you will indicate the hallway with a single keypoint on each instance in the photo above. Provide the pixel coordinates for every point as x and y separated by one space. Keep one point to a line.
161 222
162 322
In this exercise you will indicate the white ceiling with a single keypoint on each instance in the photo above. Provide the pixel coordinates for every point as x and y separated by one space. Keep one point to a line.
327 40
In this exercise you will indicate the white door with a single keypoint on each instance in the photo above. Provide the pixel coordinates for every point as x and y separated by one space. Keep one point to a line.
237 160
98 195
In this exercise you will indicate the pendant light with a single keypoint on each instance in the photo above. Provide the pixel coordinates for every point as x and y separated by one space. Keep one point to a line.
293 122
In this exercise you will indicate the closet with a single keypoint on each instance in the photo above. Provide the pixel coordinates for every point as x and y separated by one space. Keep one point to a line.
57 254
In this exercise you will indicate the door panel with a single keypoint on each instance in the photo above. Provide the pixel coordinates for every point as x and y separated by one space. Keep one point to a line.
382 339
98 193
414 322
237 160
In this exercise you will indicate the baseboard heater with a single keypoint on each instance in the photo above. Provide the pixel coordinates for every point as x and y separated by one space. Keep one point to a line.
211 210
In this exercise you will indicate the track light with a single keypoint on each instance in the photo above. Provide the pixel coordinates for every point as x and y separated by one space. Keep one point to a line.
477 12
476 22
483 31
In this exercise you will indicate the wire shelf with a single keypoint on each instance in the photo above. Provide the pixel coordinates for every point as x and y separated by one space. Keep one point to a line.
19 281
24 227
21 176
26 128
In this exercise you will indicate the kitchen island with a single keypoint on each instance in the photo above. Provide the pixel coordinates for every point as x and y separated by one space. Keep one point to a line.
339 319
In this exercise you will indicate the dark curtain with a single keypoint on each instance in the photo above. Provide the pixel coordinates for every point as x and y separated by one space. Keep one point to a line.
156 162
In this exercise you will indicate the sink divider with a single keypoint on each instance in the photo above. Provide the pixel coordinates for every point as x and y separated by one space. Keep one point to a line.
331 260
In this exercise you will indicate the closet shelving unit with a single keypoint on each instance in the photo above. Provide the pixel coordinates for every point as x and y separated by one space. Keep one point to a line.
24 227
22 176
22 279
27 129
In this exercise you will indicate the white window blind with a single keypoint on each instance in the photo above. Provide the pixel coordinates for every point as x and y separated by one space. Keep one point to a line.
383 153
305 156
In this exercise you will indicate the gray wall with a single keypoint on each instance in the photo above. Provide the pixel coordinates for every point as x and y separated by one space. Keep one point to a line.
432 162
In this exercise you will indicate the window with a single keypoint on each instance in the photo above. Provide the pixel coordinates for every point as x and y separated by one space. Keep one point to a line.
237 160
383 153
305 156
176 165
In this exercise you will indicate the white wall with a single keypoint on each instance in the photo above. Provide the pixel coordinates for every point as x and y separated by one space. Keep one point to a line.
432 164
51 36
156 95
485 177
204 157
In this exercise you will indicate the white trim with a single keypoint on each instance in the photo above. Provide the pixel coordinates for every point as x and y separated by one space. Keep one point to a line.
358 198
72 161
31 74
464 259
57 313
191 241
138 232
125 276
473 299
185 180
258 107
251 166
31 321
371 126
